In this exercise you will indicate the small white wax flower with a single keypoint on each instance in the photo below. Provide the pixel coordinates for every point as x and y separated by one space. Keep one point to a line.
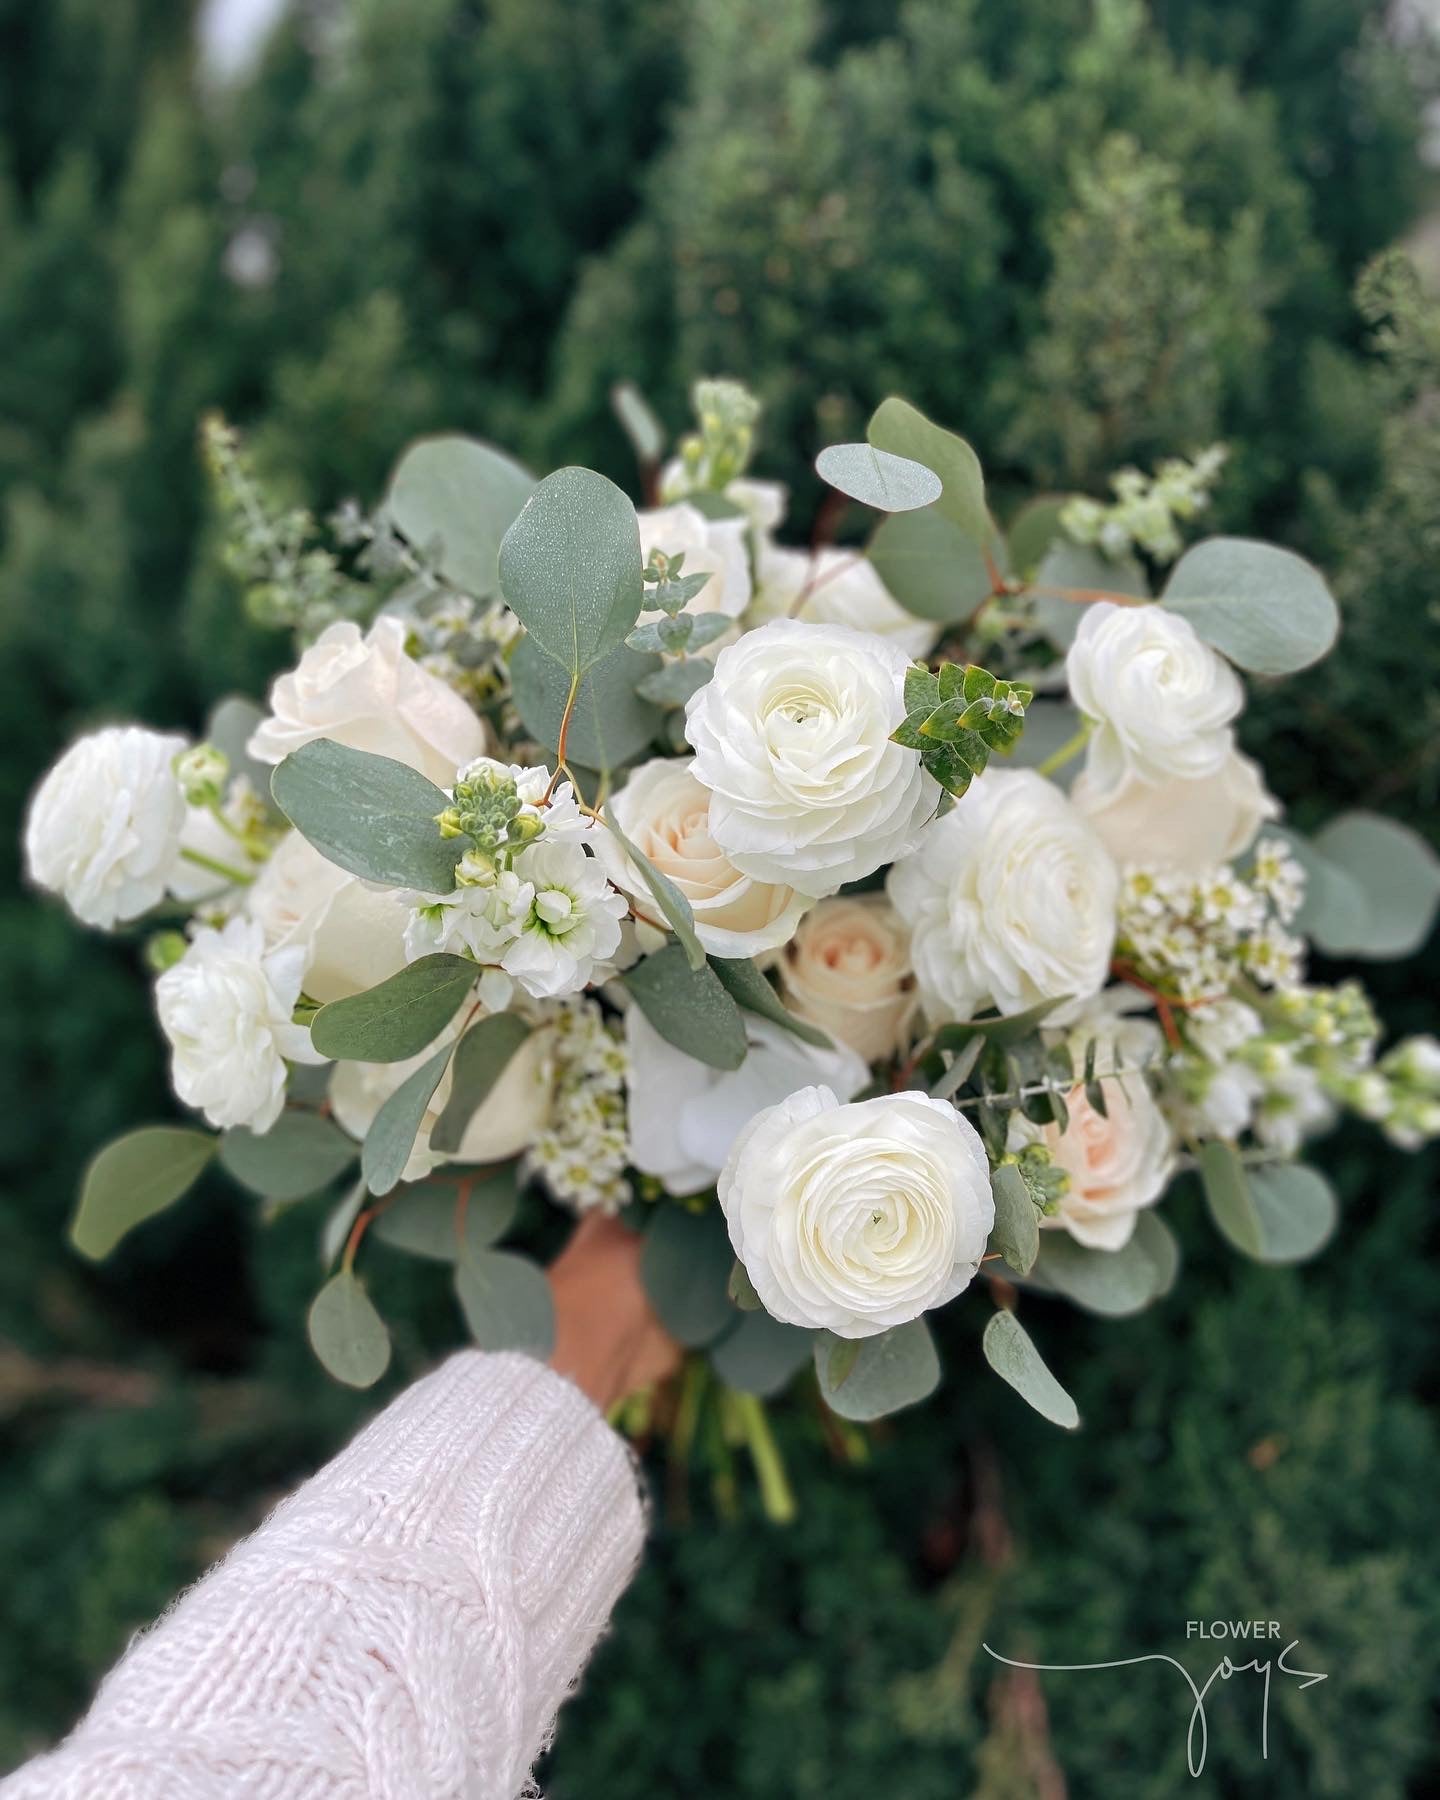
857 1218
105 824
226 1008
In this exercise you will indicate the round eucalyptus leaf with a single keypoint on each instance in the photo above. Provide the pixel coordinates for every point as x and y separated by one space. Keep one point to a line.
134 1178
892 484
506 1301
1012 1355
1297 1210
894 1369
1113 1283
611 722
424 1218
931 566
903 430
690 1008
761 1355
457 497
347 1333
1265 608
1397 874
1227 1194
300 1154
370 815
685 1265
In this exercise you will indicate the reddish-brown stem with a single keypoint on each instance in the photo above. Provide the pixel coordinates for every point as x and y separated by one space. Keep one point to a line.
1085 596
358 1230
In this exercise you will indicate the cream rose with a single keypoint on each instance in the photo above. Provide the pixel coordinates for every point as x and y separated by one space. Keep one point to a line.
352 936
683 1116
1189 825
792 738
847 970
1162 700
714 547
664 811
844 589
1010 900
105 824
366 693
857 1218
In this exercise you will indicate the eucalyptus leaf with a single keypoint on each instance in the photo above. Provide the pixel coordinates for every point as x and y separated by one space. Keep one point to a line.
1113 1283
300 1154
369 815
932 567
673 684
748 988
393 1131
1227 1194
685 1265
506 1301
1265 608
1397 875
1154 1238
339 1222
1034 530
134 1178
347 1333
481 1058
230 727
397 1019
690 1008
638 422
895 1369
1079 569
1014 1358
741 1288
674 907
761 1355
1296 1208
423 1218
570 568
892 484
1002 1029
611 723
903 430
456 497
1017 1227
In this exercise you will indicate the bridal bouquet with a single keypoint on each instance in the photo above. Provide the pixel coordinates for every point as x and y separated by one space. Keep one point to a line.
855 921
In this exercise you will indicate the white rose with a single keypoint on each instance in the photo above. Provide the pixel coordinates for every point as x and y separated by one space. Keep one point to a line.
792 738
847 970
683 1116
664 811
104 825
1118 1161
366 693
352 935
1162 700
1187 825
714 547
226 1008
857 1218
844 589
1010 900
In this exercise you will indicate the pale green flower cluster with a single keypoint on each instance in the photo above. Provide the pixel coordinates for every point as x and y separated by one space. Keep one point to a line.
582 1154
1147 509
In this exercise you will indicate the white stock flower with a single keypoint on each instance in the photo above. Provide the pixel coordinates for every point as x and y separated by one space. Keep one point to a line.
684 1115
1010 899
844 589
352 934
792 738
103 829
1178 824
857 1218
572 925
847 970
1161 698
664 812
226 1008
480 919
714 547
368 694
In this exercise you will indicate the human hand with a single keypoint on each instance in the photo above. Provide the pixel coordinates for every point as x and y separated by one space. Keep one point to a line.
607 1338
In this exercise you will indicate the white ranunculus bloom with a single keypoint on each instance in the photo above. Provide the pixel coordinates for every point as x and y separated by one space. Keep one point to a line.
353 934
857 1218
844 589
1010 899
104 826
684 1115
366 693
664 811
847 970
714 547
226 1008
792 738
1174 824
1162 699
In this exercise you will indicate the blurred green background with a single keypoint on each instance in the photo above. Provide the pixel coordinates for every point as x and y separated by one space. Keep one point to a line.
1080 231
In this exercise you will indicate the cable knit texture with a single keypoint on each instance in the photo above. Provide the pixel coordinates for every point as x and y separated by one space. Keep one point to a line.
402 1628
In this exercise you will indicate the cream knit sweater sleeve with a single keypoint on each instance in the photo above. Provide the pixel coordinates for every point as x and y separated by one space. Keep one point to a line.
402 1628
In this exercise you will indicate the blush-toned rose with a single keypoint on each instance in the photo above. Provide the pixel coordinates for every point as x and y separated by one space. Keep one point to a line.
847 970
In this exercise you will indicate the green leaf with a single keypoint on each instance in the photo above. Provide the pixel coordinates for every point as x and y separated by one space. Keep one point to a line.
1014 1358
368 814
892 484
961 1068
421 1220
1003 1030
748 988
397 1019
230 727
676 682
300 1154
338 1222
611 723
685 1264
1296 1208
506 1301
1335 913
1017 1227
638 422
1034 530
347 1333
901 429
1050 725
689 1007
895 1369
134 1178
1113 1283
1265 608
1156 1240
392 1133
1397 877
931 567
460 496
570 567
1227 1194
761 1355
674 907
741 1288
1079 568
481 1058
